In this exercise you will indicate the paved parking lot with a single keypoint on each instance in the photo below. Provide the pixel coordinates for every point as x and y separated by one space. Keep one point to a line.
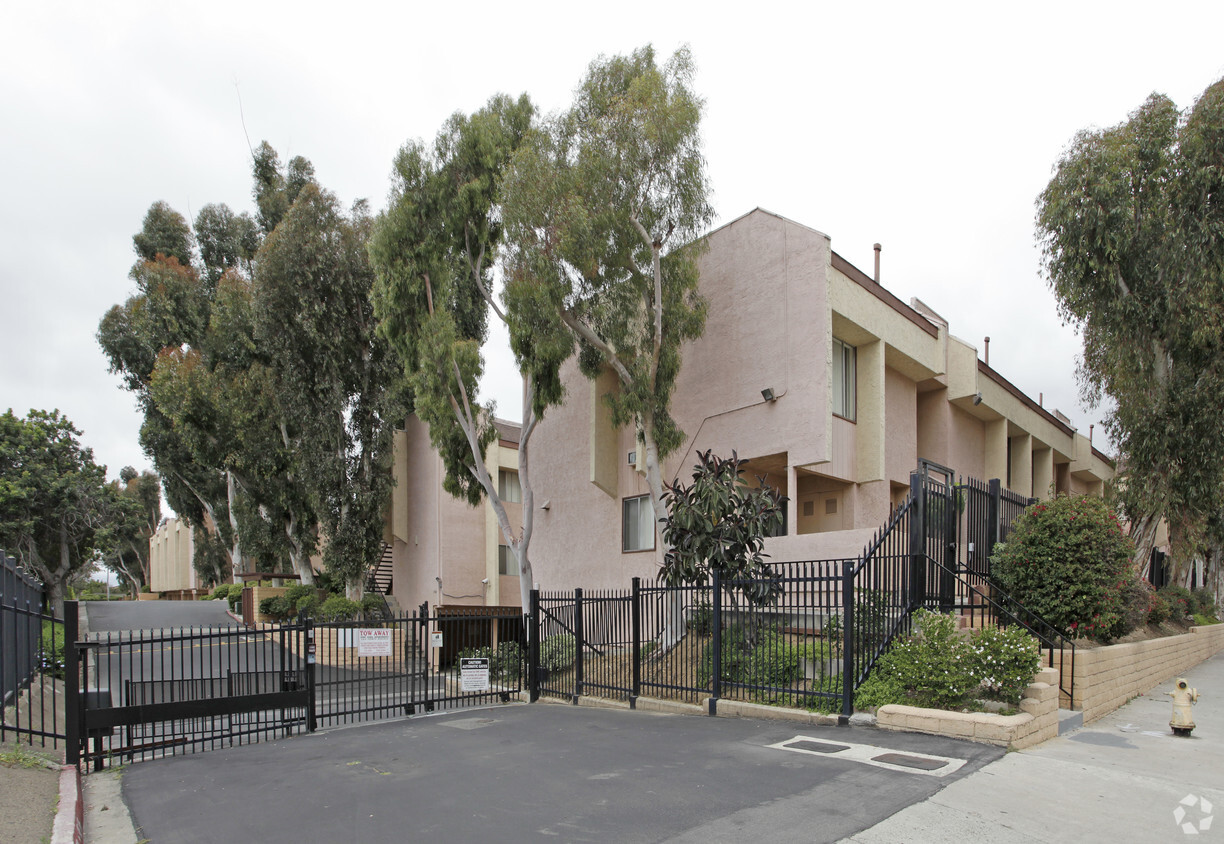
545 771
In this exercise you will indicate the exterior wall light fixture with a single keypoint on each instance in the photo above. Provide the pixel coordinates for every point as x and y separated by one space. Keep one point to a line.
768 394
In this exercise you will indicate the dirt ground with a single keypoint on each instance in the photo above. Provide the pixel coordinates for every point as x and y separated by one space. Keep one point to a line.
29 774
1140 634
29 794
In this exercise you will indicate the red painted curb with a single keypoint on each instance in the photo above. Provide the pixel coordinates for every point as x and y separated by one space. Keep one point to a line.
69 825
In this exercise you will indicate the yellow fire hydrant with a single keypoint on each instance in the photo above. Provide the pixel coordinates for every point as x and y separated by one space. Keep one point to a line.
1184 697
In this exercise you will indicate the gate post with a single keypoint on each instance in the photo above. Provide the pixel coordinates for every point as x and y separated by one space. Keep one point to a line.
848 640
716 685
72 686
636 613
312 723
993 510
917 542
427 655
533 648
579 635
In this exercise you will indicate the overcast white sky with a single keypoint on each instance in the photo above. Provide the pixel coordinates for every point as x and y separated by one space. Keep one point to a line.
930 128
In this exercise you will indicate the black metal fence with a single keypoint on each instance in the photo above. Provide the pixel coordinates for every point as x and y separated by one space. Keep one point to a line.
151 693
31 659
805 634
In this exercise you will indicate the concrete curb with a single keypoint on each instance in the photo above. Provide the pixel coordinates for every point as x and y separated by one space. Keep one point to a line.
69 827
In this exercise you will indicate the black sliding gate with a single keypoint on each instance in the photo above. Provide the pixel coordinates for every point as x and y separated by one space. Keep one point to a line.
150 693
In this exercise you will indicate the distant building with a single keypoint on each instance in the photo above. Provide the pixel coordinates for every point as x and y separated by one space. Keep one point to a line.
445 551
171 550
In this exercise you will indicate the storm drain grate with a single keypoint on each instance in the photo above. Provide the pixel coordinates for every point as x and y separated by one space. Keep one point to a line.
925 764
816 746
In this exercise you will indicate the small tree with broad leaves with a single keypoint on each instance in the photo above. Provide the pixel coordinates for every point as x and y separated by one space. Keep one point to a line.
718 523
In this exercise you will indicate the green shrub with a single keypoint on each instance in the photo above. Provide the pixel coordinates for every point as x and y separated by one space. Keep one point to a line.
1158 609
221 591
701 618
1204 601
338 608
1203 620
760 659
880 689
506 663
936 667
1068 561
308 606
557 652
1136 603
298 591
1005 660
235 596
51 652
277 607
1181 601
372 605
871 619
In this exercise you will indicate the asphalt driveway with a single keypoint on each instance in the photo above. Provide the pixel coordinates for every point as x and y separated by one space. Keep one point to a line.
545 771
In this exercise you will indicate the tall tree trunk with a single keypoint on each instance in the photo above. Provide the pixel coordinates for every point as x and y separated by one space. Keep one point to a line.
231 497
1142 532
1184 549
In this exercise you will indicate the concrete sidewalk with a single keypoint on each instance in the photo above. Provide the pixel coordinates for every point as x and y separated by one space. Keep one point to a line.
1121 778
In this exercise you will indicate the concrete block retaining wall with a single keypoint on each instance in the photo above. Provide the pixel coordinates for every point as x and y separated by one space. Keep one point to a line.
1106 678
1036 722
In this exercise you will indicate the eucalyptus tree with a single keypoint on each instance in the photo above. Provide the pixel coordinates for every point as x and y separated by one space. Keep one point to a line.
434 250
333 379
603 208
1132 231
171 317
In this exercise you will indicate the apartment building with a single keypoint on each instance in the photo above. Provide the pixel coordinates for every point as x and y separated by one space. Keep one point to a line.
832 387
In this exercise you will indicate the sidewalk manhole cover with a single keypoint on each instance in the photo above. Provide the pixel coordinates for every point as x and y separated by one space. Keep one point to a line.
922 763
817 746
470 723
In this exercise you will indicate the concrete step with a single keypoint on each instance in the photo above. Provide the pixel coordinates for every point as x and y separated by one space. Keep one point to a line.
1069 721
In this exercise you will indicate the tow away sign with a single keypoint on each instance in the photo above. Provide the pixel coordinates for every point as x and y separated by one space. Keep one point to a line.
373 641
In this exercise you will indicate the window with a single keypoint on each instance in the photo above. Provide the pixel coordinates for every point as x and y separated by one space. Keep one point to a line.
638 533
506 561
843 380
508 489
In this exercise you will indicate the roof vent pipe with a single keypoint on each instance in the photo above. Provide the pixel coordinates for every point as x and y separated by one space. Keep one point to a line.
877 274
1041 400
988 351
1090 427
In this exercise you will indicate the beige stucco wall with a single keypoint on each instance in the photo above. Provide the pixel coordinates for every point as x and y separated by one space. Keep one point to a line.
440 555
170 553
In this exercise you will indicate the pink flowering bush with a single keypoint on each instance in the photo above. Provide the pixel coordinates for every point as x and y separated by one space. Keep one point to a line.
1069 561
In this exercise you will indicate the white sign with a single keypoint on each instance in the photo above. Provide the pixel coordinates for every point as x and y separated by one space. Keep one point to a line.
474 674
373 641
435 638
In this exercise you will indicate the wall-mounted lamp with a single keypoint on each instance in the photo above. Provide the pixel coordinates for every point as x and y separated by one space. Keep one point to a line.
977 399
547 504
768 394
